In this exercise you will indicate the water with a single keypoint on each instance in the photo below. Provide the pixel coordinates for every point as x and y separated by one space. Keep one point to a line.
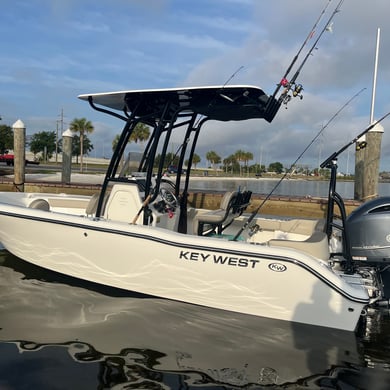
314 188
59 333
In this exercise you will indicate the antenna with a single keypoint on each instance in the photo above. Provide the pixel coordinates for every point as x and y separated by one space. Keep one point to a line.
375 75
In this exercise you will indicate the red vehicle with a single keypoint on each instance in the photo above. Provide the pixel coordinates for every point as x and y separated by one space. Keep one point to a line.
9 159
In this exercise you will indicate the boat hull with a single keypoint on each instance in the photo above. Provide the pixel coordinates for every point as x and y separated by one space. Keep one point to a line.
231 348
282 284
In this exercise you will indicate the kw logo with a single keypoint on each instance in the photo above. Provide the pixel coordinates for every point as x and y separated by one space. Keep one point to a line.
277 267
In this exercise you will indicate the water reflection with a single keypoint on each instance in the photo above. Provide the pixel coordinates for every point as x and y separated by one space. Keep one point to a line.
65 334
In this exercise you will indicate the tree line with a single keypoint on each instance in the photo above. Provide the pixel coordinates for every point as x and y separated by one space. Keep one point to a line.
238 162
44 145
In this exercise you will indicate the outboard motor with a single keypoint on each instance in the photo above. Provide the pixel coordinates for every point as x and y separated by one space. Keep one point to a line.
368 229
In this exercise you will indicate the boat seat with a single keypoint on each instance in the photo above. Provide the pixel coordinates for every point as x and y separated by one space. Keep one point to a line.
294 225
40 204
123 203
93 203
316 245
232 205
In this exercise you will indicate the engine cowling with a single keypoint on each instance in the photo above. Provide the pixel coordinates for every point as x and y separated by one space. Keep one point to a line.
368 229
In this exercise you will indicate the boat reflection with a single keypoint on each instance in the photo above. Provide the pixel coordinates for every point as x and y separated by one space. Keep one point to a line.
52 324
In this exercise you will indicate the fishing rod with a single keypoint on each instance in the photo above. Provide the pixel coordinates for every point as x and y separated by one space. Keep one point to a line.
233 74
298 88
255 212
328 161
144 205
295 59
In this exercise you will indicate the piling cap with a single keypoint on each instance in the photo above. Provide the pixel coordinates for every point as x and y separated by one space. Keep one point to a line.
378 128
68 133
18 125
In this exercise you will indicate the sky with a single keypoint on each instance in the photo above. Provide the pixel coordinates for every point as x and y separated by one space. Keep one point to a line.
54 50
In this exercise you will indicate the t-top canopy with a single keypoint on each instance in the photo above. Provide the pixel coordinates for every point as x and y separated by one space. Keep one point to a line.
225 103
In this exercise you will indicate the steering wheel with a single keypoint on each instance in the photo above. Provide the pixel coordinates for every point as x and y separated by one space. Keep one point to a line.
168 197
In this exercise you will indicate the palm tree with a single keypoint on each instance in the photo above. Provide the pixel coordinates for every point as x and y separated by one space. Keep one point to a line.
115 142
229 162
213 157
195 160
140 133
81 126
240 157
246 158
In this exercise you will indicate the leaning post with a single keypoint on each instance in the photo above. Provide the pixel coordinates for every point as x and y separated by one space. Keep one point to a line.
67 138
19 155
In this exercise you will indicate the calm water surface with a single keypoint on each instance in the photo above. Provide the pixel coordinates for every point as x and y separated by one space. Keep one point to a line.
58 333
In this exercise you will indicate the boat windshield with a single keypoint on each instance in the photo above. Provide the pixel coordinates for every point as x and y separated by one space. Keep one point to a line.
130 166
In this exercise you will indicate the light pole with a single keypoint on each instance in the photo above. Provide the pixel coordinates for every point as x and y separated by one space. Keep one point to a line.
62 130
57 142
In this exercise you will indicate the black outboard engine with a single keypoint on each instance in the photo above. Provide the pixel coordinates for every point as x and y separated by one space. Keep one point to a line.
368 229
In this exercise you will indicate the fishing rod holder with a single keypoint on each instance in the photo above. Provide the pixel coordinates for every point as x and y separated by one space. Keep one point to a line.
335 199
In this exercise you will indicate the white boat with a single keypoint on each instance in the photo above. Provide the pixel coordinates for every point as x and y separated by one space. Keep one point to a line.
139 233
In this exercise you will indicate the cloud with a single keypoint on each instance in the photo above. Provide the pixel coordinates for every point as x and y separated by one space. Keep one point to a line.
341 66
55 50
181 39
89 27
